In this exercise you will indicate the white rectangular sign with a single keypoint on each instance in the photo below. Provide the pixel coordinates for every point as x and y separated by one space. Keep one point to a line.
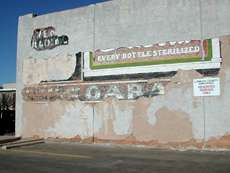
206 87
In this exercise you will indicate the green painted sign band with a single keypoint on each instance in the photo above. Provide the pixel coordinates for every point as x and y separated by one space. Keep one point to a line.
114 58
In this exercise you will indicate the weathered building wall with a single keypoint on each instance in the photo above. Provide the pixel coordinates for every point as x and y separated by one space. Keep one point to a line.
176 117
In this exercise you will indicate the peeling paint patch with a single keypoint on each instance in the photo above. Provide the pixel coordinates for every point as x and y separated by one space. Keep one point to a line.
173 126
57 67
35 119
114 118
77 119
179 97
166 125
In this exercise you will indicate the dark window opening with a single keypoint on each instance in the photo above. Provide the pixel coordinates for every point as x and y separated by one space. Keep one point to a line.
7 113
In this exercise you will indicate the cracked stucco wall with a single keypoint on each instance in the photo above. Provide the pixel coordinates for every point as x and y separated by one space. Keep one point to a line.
175 117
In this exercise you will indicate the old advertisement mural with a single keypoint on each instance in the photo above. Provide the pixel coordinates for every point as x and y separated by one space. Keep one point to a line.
162 53
123 90
45 38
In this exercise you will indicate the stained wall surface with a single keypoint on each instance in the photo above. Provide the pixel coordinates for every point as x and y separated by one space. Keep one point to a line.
173 118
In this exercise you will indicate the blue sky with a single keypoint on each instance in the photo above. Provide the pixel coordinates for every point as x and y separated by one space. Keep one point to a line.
9 12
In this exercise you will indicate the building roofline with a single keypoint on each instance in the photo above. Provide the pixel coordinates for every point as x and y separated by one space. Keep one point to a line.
8 90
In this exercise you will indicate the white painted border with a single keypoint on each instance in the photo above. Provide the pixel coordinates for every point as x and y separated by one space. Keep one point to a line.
214 63
216 50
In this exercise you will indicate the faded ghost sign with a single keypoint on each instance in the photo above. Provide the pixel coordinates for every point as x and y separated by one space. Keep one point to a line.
163 53
45 38
123 90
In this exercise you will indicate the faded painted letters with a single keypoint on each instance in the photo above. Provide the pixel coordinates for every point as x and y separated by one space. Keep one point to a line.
169 52
45 38
92 92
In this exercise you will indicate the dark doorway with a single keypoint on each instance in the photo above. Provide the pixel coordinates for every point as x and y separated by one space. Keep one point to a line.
7 112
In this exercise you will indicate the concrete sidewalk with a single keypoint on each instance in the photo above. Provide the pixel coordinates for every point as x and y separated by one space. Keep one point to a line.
6 139
8 142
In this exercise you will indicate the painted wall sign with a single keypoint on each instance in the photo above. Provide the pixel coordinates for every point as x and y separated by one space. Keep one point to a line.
206 87
92 91
169 52
45 38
